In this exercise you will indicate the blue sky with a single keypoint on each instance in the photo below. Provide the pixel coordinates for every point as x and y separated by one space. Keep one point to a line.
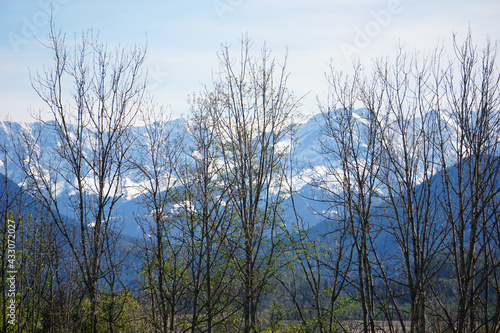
183 38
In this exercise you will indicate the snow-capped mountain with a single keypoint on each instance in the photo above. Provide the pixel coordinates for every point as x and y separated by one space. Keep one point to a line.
309 165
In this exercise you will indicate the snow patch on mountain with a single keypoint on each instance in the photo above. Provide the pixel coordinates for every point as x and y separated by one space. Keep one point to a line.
310 166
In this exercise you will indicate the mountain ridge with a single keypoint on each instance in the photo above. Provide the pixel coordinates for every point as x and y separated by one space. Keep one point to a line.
309 164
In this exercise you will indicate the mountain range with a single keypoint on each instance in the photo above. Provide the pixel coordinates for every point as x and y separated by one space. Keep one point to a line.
306 156
308 164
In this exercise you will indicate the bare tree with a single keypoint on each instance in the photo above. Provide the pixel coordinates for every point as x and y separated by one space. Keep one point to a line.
155 163
207 216
316 281
30 251
92 95
316 276
412 93
252 115
351 148
470 199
